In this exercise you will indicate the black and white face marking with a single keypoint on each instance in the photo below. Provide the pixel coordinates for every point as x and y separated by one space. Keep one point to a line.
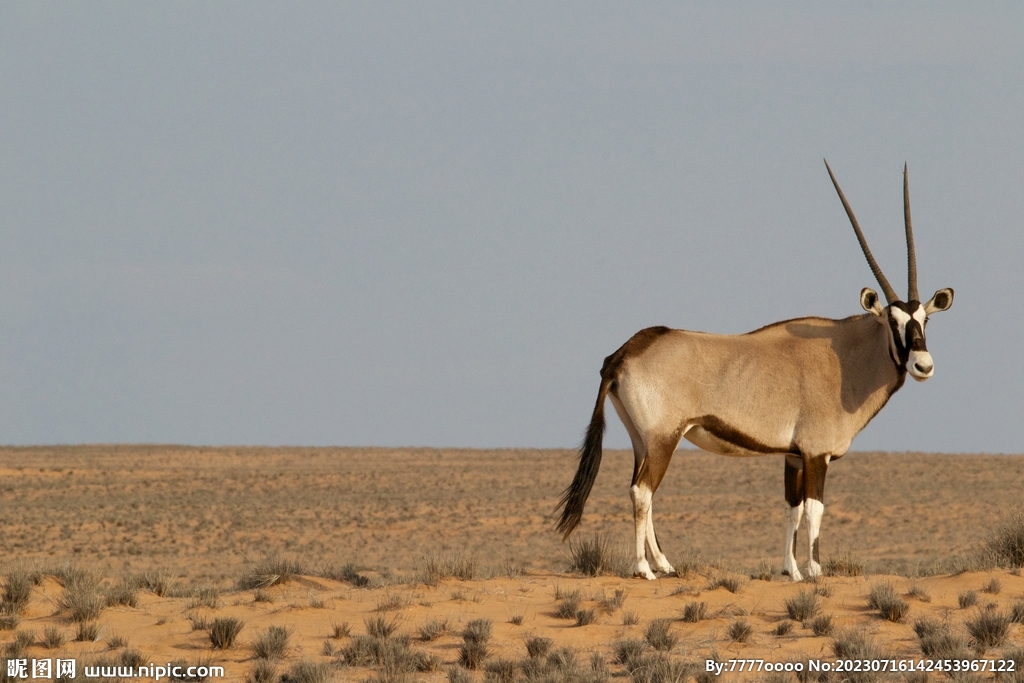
906 324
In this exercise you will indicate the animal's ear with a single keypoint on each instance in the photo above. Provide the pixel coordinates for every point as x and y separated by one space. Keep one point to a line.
869 300
941 301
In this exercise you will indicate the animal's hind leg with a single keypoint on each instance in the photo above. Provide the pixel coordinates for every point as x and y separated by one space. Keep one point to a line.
646 480
794 513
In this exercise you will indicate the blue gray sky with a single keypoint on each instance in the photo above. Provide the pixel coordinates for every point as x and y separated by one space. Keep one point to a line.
428 223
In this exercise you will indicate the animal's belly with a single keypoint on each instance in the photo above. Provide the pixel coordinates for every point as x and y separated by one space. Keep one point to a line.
717 443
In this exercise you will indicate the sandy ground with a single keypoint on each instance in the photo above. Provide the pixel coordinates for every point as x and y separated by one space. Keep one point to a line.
205 515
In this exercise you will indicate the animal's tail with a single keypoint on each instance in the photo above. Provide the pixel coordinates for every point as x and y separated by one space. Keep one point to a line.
575 497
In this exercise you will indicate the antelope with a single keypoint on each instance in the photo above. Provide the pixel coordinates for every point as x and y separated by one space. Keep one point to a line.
803 388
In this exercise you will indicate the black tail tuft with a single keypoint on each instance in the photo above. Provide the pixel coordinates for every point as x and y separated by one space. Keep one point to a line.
575 497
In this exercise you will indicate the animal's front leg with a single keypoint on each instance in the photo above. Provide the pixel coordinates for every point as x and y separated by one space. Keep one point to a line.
794 513
815 470
815 509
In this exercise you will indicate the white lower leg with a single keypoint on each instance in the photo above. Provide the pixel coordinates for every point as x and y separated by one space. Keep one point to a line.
641 496
815 509
789 565
661 562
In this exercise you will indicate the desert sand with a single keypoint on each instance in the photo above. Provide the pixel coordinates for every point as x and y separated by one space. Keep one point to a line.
207 519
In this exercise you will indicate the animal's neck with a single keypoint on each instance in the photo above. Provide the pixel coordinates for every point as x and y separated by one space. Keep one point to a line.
873 375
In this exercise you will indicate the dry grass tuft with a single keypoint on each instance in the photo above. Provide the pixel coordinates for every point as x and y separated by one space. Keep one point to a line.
844 565
659 636
475 637
989 628
1005 544
272 644
803 606
437 567
740 631
17 591
783 628
694 612
765 571
308 671
597 555
886 600
967 599
271 570
224 631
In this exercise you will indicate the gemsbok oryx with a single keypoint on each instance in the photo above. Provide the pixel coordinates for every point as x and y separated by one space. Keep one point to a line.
803 388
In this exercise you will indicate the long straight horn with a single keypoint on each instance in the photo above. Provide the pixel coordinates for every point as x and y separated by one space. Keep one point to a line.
890 293
911 256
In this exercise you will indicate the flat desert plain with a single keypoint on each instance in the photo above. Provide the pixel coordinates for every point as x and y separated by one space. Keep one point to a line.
336 546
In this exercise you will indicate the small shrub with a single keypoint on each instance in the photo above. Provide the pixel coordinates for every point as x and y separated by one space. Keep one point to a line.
272 644
131 658
308 671
993 587
630 653
477 630
158 581
822 625
803 606
585 617
740 631
613 603
989 628
316 602
823 589
53 638
590 556
263 671
516 619
17 592
224 631
1017 612
630 618
433 629
116 642
855 644
694 612
658 668
475 637
500 671
81 598
919 593
269 571
472 654
936 641
438 567
967 599
659 636
729 583
889 604
347 573
199 621
9 622
391 603
765 571
204 596
783 627
260 595
1005 544
844 565
379 627
123 594
537 646
569 605
88 632
457 675
342 630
